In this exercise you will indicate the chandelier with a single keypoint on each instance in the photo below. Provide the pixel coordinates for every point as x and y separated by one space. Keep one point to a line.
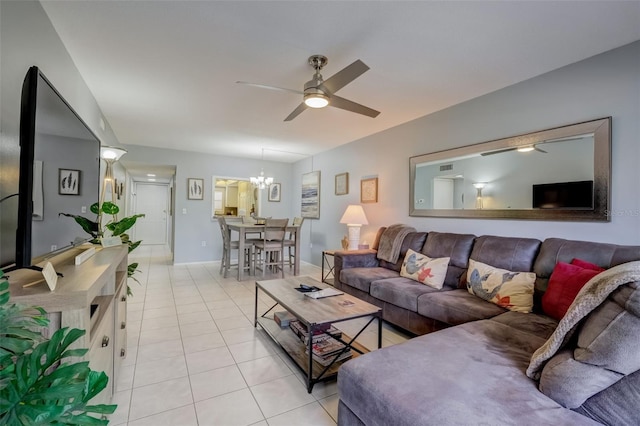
261 182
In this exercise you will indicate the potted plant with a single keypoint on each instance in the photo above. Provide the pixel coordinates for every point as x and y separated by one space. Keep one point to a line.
115 227
39 382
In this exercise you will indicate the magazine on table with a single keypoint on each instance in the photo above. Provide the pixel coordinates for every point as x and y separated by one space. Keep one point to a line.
327 292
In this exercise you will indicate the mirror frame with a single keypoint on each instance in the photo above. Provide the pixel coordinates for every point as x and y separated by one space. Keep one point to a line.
601 129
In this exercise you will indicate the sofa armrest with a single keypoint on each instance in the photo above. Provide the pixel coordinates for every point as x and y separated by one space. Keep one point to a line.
353 259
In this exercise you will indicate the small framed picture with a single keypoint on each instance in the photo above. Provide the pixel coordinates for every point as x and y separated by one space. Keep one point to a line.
274 192
68 182
369 190
342 184
195 189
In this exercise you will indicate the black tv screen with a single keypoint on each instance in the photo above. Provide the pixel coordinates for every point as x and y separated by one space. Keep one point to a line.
564 195
59 172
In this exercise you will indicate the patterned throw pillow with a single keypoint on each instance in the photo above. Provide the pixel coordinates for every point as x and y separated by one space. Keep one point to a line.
424 269
511 290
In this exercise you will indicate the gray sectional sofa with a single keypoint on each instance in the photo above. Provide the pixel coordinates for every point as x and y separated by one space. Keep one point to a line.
469 366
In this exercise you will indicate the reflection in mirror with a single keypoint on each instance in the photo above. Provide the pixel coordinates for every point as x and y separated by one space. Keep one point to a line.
556 174
234 197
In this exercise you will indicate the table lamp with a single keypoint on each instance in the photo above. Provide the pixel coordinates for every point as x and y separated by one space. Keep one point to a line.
354 217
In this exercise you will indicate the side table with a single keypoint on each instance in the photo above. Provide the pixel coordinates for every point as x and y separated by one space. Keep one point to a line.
328 266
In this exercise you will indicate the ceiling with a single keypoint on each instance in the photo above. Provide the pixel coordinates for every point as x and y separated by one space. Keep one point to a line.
164 72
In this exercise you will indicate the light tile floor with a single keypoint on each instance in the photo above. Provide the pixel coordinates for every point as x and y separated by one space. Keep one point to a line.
194 357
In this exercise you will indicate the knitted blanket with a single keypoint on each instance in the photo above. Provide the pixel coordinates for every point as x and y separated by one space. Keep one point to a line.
594 292
391 242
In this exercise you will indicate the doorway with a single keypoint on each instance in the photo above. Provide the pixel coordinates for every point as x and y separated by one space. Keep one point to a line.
152 200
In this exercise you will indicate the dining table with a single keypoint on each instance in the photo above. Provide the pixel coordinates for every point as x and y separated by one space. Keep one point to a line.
247 228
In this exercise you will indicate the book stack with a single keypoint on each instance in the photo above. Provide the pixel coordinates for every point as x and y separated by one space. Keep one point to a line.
325 346
323 332
325 351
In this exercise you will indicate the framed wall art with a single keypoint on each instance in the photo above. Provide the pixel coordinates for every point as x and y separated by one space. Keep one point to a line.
274 192
369 190
342 184
68 182
310 207
195 189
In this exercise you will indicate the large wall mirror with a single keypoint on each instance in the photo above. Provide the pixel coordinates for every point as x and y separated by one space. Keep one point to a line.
562 173
234 197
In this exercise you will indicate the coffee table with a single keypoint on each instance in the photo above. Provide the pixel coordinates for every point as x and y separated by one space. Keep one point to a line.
313 313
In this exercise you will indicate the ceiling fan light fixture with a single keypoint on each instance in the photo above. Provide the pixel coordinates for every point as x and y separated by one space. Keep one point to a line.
526 148
316 100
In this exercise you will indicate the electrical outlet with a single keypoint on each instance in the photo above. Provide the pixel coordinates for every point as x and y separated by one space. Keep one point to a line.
184 211
204 244
83 209
54 247
310 245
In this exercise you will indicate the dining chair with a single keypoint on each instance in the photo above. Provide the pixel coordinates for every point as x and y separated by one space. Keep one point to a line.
269 252
228 245
290 241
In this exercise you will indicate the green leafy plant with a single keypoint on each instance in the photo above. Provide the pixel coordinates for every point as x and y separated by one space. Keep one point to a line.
39 383
115 228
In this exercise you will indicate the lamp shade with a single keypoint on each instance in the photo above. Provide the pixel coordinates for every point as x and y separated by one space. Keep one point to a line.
112 152
354 215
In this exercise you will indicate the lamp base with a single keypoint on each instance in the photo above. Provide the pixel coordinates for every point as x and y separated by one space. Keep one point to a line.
354 236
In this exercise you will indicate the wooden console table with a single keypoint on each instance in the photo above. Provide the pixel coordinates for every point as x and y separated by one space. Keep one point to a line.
91 297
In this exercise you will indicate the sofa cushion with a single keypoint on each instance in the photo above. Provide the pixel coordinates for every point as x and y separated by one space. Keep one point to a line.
413 241
402 292
512 254
457 247
424 269
361 278
473 373
607 349
612 405
541 326
555 250
511 290
566 281
456 307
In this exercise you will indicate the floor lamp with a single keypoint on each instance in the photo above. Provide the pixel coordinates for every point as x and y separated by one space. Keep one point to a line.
354 217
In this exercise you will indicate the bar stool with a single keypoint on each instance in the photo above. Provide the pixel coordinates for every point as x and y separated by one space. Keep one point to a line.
227 245
290 241
270 250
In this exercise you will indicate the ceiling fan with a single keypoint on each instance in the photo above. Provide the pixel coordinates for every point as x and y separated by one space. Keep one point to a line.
319 93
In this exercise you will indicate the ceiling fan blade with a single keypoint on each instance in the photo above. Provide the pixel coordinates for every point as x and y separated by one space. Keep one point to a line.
296 112
345 76
342 103
264 86
540 150
497 152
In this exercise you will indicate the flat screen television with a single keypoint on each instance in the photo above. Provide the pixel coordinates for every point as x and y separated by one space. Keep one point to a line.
564 195
59 172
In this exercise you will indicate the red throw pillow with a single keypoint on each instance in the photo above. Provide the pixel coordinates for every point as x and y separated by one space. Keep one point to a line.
564 284
586 265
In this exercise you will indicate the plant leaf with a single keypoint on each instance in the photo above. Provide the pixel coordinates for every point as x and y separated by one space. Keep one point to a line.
89 226
110 208
95 208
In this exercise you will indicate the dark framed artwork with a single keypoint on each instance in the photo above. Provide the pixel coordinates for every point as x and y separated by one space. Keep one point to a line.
310 206
342 184
68 182
195 189
274 192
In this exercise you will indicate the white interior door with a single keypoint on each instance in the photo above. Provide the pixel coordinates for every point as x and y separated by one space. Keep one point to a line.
442 193
151 200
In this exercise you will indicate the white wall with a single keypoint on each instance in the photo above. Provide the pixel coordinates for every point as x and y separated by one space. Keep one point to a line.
28 38
604 85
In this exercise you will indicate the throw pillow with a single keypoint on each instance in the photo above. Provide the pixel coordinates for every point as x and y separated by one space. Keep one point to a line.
586 265
424 269
511 290
564 285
